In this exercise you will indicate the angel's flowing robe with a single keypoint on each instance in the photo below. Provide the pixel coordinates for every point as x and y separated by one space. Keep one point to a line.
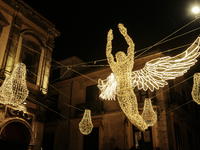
125 94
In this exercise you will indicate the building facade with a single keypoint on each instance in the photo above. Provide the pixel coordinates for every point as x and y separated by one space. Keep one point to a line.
27 37
177 122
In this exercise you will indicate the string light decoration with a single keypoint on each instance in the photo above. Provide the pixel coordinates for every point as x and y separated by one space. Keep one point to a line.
154 75
6 92
85 125
120 79
196 88
14 90
108 85
148 113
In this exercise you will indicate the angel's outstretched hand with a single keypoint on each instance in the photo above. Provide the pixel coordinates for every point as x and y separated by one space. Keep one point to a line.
122 29
110 35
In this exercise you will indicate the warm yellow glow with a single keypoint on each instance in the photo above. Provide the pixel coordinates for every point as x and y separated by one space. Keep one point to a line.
156 71
148 113
86 126
6 92
154 75
195 9
14 90
108 87
196 88
120 80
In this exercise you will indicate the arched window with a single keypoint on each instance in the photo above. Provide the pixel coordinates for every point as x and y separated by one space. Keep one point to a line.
30 55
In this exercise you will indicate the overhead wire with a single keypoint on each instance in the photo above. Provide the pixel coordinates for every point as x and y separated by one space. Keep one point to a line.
169 39
103 59
75 65
177 108
150 98
166 37
60 76
147 48
109 120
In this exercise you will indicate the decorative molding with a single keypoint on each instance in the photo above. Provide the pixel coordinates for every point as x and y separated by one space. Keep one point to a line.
50 43
2 106
33 16
2 116
19 113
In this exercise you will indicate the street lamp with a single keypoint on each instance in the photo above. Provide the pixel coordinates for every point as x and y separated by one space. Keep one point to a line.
196 11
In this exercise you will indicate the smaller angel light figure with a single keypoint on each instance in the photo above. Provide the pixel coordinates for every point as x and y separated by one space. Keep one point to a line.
154 75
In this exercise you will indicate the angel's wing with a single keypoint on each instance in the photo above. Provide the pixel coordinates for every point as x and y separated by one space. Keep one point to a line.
108 87
156 71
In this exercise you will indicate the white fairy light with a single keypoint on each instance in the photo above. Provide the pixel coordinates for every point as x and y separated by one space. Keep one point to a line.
157 71
14 90
107 88
196 88
154 75
148 113
85 125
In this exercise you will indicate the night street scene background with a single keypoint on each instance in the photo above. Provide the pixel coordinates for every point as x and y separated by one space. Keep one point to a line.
50 117
84 25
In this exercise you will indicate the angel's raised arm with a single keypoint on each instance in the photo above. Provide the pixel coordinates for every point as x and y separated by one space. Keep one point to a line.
123 31
109 56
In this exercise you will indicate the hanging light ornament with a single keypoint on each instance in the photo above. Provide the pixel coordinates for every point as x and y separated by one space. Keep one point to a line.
6 92
14 90
19 87
196 88
123 80
148 113
86 126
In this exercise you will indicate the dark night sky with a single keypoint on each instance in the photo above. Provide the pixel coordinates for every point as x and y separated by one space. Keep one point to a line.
84 25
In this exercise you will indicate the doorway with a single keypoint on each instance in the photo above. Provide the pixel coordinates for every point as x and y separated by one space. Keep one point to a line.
15 136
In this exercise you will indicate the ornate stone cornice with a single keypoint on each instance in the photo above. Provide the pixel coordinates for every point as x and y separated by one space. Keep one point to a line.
32 15
19 113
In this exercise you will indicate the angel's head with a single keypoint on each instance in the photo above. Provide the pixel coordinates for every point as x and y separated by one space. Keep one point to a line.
120 57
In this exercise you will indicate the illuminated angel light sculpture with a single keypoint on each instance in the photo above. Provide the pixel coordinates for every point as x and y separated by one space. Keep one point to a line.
85 125
154 75
14 90
148 113
196 88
